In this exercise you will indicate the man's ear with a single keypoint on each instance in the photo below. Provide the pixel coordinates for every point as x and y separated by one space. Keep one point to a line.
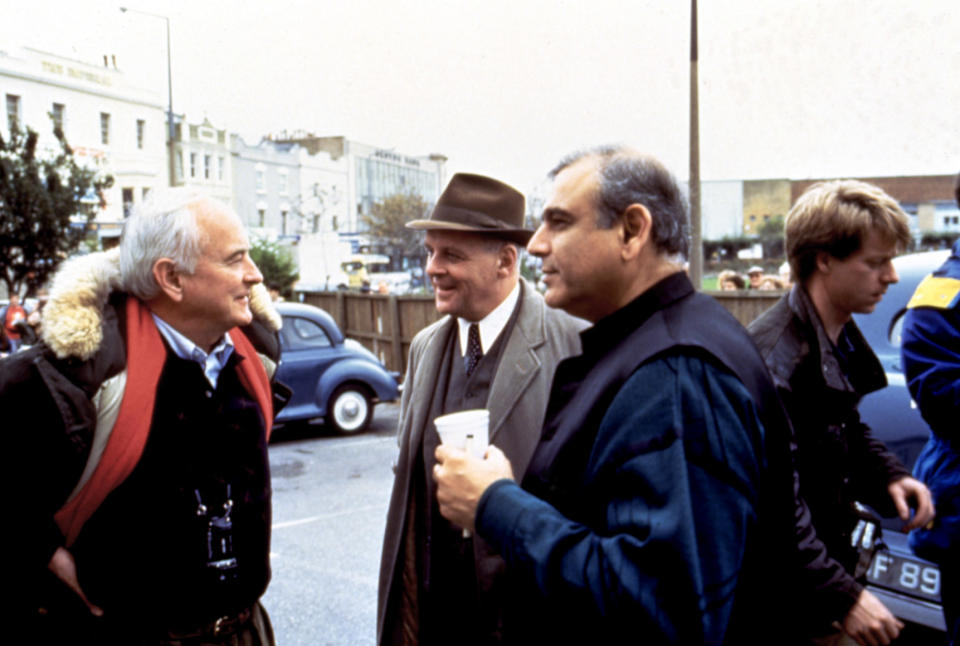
823 262
636 229
506 259
169 279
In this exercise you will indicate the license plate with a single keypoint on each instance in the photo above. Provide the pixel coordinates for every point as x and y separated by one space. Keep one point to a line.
904 574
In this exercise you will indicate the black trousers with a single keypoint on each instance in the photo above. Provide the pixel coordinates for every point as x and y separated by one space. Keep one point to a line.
64 619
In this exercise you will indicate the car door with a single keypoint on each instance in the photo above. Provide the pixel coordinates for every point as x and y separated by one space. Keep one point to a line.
306 352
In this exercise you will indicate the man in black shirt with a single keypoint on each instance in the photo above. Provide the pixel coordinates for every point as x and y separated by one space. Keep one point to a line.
840 239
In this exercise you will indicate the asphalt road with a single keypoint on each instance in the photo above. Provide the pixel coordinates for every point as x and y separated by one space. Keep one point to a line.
330 497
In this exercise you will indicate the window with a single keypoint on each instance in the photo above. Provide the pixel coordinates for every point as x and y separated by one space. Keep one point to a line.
207 160
283 222
316 223
283 182
302 334
13 111
141 124
180 164
262 217
145 192
261 181
105 128
58 113
127 201
220 168
193 164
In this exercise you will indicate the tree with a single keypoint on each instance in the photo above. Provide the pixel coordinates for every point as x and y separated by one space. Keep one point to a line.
387 221
726 248
276 263
45 207
771 237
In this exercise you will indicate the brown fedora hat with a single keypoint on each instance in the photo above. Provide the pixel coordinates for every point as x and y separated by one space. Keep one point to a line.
478 204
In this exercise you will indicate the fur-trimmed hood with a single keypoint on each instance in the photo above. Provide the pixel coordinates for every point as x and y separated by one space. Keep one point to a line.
73 315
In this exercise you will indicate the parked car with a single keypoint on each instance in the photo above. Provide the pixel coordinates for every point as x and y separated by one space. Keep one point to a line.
332 377
908 585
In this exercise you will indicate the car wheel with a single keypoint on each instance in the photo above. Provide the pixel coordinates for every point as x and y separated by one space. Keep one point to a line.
350 409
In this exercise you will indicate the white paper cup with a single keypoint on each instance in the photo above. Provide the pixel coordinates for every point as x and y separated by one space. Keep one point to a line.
467 430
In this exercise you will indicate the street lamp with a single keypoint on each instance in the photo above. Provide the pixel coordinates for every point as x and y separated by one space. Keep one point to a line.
170 128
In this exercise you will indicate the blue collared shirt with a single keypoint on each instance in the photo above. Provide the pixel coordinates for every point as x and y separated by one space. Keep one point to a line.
184 348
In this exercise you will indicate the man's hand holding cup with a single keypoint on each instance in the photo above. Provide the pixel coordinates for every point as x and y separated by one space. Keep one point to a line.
462 479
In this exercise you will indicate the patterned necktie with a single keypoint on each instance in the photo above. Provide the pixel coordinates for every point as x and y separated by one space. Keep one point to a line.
474 350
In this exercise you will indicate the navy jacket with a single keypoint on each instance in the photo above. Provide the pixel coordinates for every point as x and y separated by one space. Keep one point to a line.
931 361
656 507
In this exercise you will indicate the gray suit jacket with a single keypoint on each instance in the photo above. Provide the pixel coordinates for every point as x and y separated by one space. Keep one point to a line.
540 339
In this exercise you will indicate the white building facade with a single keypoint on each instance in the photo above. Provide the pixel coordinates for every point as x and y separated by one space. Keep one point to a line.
111 124
371 174
202 158
266 186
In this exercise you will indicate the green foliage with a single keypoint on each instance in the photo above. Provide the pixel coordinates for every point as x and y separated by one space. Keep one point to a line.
276 263
772 228
726 248
387 221
41 193
771 237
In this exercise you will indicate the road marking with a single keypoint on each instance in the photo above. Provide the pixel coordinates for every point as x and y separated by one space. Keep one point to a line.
313 519
362 441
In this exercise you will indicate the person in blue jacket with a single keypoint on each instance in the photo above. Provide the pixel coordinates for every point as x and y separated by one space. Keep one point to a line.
931 361
657 508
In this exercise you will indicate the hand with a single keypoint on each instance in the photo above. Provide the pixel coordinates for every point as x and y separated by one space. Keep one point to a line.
870 623
64 567
462 479
908 489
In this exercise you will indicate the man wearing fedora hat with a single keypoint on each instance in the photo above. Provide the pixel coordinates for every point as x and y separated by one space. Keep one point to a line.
658 505
496 348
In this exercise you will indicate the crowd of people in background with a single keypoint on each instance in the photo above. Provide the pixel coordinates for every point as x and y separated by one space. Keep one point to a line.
20 323
729 280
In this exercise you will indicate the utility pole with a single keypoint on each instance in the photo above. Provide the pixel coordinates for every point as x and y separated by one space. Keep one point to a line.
696 242
171 131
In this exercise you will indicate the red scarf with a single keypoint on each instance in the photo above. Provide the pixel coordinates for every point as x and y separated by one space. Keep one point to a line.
129 436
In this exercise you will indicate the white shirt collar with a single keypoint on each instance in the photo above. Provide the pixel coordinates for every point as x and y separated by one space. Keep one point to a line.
492 324
184 348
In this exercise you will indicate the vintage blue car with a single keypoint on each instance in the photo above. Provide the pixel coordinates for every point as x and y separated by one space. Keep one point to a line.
908 585
333 378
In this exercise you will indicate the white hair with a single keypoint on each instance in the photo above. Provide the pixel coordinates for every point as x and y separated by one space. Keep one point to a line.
162 226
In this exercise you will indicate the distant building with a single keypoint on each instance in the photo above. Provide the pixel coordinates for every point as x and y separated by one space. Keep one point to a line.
928 199
764 200
325 189
111 124
733 208
373 173
266 186
721 209
202 158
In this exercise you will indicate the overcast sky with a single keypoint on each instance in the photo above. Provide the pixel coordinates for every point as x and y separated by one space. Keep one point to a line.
788 88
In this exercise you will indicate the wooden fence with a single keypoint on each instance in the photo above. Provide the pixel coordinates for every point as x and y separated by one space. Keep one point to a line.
387 323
